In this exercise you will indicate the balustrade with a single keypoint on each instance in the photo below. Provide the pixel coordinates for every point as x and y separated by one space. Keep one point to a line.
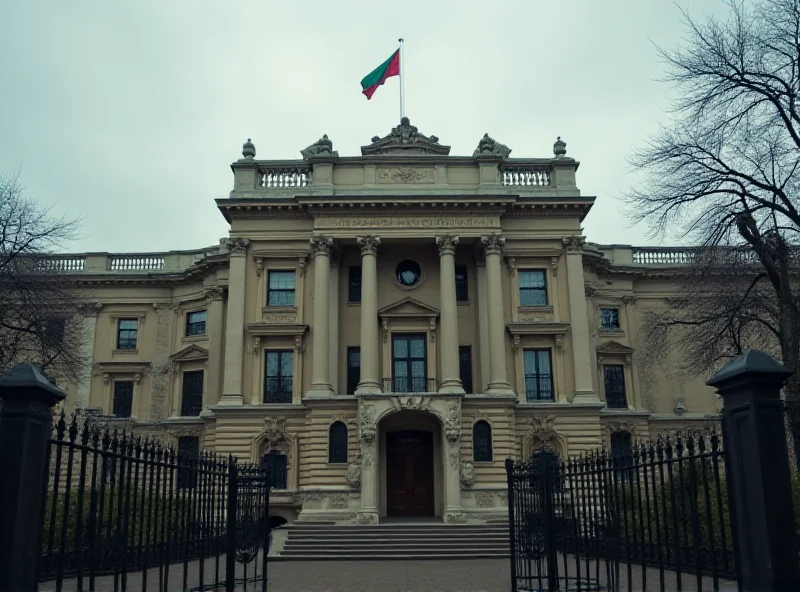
284 178
525 175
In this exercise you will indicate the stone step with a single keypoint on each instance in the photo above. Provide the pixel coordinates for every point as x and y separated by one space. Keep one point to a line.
398 539
399 555
385 544
391 530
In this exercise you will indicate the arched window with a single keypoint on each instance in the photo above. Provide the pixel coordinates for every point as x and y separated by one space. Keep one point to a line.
337 443
482 441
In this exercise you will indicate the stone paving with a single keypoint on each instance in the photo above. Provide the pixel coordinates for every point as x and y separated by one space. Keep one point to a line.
481 575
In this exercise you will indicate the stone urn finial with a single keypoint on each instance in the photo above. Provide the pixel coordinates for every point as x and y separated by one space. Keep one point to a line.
560 148
248 149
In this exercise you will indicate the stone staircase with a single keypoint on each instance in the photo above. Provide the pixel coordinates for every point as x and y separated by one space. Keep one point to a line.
401 540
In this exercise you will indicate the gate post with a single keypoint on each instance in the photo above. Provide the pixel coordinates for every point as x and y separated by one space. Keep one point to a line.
512 541
28 398
230 524
757 470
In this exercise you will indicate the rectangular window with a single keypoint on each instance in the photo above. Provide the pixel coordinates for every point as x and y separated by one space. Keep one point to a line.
353 368
196 323
532 287
192 394
122 405
614 384
465 367
279 370
127 333
462 291
609 319
281 286
275 462
188 452
354 284
538 375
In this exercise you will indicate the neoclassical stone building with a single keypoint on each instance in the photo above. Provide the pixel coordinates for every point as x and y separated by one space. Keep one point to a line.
390 326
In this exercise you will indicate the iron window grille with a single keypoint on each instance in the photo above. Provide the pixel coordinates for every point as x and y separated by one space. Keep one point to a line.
192 393
482 441
609 319
354 284
196 323
337 443
614 384
353 369
278 376
281 286
127 333
465 367
538 375
462 290
532 287
123 398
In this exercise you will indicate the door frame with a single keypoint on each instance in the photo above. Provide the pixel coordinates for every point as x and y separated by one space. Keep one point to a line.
428 437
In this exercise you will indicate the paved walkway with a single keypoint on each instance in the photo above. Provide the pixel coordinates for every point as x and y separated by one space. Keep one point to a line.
482 575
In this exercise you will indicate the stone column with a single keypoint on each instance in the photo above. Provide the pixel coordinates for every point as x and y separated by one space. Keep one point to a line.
367 427
88 328
214 324
234 338
370 346
483 319
320 372
448 336
579 323
498 373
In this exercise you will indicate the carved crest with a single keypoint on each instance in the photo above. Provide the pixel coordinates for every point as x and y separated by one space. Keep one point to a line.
405 139
274 432
366 424
467 474
542 434
452 422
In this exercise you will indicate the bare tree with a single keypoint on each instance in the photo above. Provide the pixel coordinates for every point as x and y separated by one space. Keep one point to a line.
39 305
724 172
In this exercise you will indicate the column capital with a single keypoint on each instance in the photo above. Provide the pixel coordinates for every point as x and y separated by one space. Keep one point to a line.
573 244
447 244
493 244
322 246
214 293
368 244
237 246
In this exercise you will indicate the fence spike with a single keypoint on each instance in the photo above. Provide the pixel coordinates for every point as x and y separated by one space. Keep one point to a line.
701 443
668 447
61 426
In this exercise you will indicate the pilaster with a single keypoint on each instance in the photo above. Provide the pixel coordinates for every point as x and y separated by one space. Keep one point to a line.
88 330
498 372
216 310
234 331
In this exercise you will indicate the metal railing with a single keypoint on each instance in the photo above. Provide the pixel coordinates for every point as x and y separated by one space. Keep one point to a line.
278 389
409 384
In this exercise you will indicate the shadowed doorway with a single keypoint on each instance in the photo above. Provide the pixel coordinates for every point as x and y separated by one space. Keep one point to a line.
409 473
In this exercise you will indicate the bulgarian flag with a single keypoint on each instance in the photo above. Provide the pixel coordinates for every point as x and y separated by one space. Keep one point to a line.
378 76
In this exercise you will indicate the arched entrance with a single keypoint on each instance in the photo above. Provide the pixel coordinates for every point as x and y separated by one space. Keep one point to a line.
411 465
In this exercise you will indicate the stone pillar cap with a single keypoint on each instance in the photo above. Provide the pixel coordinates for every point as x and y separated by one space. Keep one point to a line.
750 363
30 379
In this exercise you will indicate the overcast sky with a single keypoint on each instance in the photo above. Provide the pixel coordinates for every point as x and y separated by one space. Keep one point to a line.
128 114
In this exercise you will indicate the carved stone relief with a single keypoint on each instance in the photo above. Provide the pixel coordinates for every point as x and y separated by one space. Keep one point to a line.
337 500
406 175
484 499
366 422
452 422
467 474
354 474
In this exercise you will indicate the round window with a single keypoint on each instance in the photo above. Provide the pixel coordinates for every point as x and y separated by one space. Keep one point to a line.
408 272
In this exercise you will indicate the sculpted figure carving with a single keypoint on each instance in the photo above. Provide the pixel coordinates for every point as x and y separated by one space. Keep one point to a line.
489 145
322 147
452 424
354 474
467 474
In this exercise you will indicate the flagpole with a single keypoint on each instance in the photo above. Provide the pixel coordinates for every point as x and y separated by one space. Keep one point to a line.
402 90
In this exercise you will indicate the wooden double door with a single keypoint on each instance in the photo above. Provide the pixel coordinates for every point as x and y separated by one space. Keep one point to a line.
409 473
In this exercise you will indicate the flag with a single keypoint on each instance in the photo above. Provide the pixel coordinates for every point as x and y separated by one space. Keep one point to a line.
378 76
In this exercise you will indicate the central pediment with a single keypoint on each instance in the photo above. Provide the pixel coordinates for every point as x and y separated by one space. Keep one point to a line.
405 139
408 307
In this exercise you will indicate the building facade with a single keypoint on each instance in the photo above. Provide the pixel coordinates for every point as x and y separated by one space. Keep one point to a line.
387 329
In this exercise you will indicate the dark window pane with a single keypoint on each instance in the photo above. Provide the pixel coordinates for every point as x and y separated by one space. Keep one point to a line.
127 333
482 442
123 398
277 464
462 291
279 367
196 323
337 443
614 383
622 454
353 369
465 367
609 318
538 375
408 272
192 394
281 288
354 285
532 288
188 452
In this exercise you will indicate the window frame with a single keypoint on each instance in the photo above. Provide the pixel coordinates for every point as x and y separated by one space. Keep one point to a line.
526 376
353 379
270 290
353 290
120 329
342 456
462 298
189 322
114 396
619 318
489 447
526 290
279 377
183 392
624 381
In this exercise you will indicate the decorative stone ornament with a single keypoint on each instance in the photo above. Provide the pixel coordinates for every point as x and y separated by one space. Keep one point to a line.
467 474
238 246
368 244
488 146
405 139
560 148
322 147
353 476
248 150
446 244
322 245
493 243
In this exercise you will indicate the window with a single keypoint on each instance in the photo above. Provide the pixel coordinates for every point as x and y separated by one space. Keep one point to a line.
196 323
188 452
192 393
354 284
462 291
408 273
609 319
123 398
353 369
465 367
532 288
281 286
614 384
278 376
482 441
337 443
622 454
127 333
275 462
538 375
